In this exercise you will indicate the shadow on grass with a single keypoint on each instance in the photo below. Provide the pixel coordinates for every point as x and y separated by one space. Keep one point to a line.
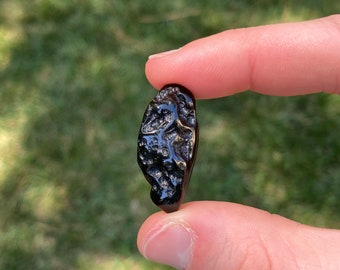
73 89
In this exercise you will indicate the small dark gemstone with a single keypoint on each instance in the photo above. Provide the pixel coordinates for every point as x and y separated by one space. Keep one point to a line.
167 144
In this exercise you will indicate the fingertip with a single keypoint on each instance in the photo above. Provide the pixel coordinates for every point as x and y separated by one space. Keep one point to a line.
165 68
217 235
166 239
280 59
156 221
149 225
195 66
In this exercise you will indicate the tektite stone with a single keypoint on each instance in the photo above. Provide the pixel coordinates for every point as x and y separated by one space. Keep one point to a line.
167 145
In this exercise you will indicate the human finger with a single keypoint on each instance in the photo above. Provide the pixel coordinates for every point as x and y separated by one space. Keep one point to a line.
279 59
220 235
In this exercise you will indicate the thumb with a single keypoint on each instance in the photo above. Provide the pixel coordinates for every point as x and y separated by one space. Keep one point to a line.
217 235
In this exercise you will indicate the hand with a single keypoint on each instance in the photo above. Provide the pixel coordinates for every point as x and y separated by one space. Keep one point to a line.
283 59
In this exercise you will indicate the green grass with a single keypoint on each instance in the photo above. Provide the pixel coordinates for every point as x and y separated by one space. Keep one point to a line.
72 94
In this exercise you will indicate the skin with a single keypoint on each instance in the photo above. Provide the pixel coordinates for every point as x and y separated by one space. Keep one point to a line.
281 60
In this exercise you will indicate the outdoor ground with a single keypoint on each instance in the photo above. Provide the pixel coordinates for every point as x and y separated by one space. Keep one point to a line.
72 95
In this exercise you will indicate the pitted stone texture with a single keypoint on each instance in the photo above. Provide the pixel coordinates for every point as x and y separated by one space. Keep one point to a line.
167 144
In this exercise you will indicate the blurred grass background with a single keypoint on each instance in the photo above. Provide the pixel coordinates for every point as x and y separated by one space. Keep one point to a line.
72 94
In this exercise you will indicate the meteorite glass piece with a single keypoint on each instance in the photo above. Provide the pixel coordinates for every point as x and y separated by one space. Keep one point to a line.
167 145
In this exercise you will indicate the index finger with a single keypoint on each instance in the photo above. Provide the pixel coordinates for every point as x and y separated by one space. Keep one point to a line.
280 59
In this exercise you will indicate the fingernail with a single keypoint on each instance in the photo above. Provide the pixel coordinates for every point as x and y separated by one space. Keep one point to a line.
172 244
162 54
